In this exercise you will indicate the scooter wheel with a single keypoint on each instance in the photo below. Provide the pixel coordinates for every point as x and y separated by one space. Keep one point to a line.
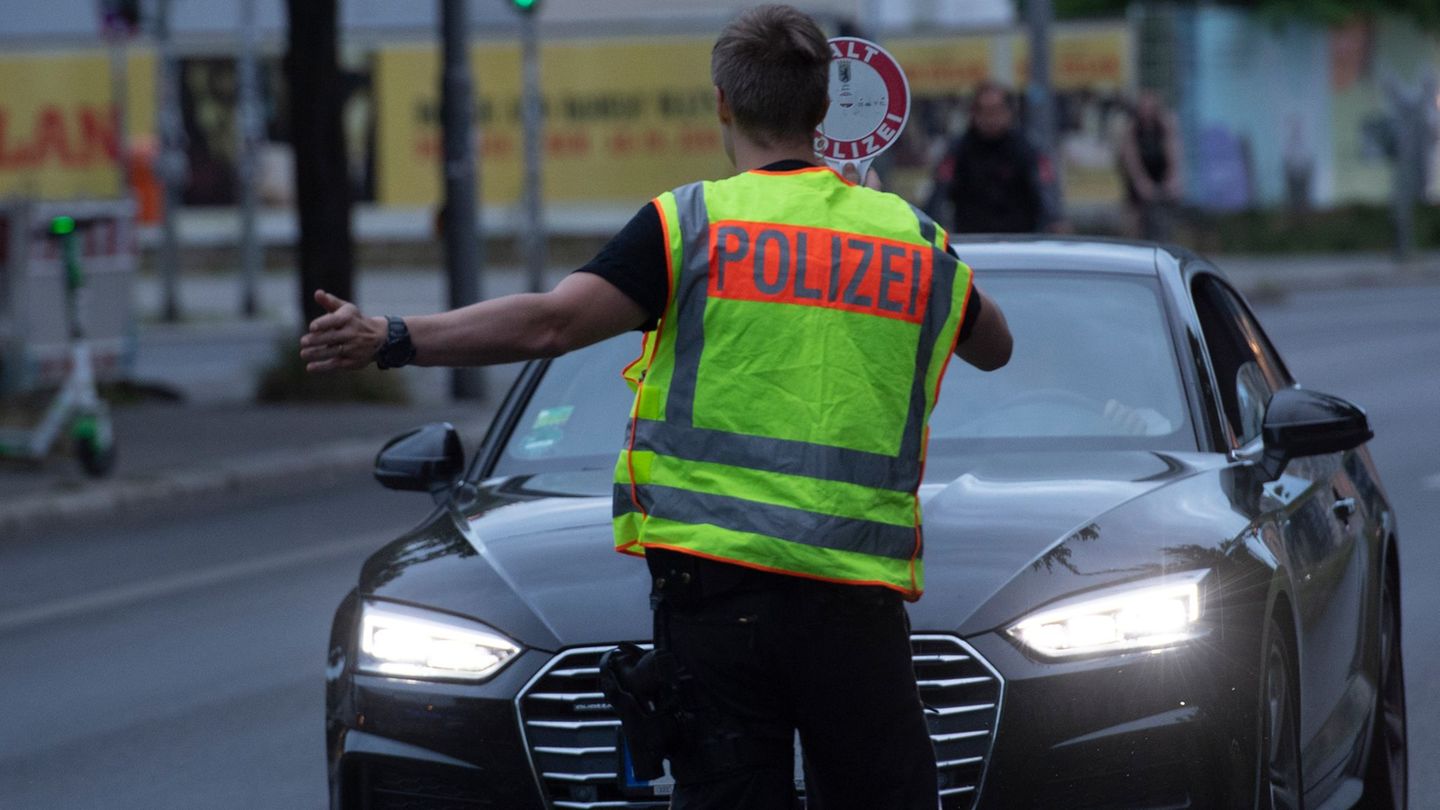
97 461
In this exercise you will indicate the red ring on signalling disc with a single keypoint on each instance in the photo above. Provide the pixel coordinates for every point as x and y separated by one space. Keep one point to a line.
869 102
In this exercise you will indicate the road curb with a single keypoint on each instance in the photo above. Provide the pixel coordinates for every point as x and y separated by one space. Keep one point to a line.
258 472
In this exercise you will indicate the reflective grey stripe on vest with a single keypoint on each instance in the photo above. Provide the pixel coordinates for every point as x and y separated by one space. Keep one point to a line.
942 290
942 287
928 228
782 456
778 455
690 296
783 522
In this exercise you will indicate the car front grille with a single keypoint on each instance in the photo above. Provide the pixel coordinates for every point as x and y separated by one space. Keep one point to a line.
572 733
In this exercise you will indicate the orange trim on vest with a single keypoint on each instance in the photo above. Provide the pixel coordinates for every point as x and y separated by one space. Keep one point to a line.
805 170
640 386
820 267
644 346
925 454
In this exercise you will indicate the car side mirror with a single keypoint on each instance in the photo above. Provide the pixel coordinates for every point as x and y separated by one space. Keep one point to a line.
426 459
1302 423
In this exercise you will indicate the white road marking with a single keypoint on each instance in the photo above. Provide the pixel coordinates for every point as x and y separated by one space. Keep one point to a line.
144 591
1431 482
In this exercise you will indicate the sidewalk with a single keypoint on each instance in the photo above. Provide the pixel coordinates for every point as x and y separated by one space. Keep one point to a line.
1258 276
215 442
170 453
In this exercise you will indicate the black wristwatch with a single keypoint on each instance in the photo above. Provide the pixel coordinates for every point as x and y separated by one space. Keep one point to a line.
397 350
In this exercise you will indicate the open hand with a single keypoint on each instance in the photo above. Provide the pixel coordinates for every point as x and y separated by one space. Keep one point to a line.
342 339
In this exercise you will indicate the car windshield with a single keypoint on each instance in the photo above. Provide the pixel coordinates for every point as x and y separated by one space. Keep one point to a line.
1094 368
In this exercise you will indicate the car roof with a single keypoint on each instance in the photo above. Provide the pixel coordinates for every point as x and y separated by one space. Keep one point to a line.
1061 253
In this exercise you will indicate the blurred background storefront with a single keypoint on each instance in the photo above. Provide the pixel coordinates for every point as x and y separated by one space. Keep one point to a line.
1288 114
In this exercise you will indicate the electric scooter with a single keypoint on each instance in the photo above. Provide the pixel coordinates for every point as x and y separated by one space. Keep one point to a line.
77 405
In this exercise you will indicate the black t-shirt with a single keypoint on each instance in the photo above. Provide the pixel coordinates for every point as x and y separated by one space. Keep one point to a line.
634 261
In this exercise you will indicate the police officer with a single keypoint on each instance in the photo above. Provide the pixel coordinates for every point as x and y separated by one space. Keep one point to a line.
798 326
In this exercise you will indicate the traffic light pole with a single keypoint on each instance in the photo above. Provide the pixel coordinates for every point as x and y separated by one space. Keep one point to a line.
247 137
533 229
171 162
1039 14
460 214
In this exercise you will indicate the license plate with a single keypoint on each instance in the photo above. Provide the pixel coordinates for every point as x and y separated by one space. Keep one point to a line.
634 786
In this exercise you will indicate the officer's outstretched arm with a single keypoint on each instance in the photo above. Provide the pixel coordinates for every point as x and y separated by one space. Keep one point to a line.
988 345
581 310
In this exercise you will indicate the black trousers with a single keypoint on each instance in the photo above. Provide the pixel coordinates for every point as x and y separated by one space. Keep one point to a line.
829 661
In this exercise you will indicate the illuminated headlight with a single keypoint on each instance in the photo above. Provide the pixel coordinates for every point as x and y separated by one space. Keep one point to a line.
1148 615
406 642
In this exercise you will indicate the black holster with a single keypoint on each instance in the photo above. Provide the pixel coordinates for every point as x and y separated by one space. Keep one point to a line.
643 687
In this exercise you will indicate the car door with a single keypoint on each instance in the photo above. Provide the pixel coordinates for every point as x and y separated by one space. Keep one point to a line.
1337 593
1306 505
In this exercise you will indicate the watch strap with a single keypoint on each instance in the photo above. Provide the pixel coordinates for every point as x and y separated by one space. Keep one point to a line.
398 350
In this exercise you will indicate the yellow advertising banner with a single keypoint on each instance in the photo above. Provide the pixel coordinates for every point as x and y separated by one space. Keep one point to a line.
1086 58
58 136
624 120
943 66
627 118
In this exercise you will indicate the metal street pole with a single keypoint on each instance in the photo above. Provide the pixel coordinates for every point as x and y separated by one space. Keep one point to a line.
119 99
1039 15
460 219
533 229
247 141
171 162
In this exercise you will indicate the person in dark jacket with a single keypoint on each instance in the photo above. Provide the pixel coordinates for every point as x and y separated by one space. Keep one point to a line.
994 182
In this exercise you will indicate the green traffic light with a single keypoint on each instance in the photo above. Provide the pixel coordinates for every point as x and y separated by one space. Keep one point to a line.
59 226
525 5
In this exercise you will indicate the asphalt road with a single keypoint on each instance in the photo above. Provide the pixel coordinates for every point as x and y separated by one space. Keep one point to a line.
176 660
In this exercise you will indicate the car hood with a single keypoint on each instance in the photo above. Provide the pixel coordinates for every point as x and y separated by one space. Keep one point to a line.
533 556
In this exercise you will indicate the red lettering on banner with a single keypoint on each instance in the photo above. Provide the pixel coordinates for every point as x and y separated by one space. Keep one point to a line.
78 138
567 144
622 143
50 138
497 145
98 134
786 264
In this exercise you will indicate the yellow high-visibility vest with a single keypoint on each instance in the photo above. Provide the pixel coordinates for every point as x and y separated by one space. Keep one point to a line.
781 407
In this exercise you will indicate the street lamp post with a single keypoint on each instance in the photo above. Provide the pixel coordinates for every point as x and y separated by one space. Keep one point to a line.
171 162
1039 14
247 141
460 220
533 229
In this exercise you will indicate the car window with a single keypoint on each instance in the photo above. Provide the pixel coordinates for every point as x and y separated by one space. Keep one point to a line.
576 417
1246 368
1094 367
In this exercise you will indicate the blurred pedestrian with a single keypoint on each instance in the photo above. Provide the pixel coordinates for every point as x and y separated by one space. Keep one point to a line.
1298 162
994 172
1150 167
